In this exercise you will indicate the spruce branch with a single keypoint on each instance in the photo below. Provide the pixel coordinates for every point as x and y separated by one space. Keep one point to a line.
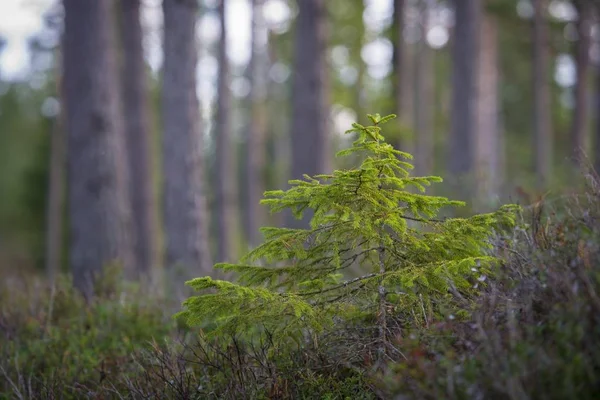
340 286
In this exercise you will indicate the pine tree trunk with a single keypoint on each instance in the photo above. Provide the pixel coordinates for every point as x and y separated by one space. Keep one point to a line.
100 231
137 125
226 196
464 90
597 107
356 57
542 122
579 127
403 72
185 218
398 54
487 140
309 138
424 86
597 144
55 217
256 150
277 139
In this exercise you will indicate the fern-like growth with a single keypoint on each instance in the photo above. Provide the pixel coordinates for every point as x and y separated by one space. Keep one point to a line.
374 247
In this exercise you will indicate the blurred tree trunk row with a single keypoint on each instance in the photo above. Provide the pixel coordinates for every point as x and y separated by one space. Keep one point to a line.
112 208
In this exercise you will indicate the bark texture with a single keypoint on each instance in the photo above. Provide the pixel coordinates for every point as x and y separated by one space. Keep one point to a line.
138 136
99 213
185 218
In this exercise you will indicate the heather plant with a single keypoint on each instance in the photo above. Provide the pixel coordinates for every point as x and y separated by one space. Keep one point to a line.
375 252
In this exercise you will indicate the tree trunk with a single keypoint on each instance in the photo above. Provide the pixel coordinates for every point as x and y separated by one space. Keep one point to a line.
424 87
98 201
360 94
55 217
542 122
227 208
402 73
185 215
398 54
255 142
278 141
137 125
309 136
464 90
597 105
597 144
487 139
579 127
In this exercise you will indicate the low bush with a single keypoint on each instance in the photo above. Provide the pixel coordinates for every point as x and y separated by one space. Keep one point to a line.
53 344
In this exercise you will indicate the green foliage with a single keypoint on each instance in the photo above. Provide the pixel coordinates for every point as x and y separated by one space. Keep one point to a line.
53 344
375 220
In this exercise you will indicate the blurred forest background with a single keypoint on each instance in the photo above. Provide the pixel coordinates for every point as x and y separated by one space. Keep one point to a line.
146 131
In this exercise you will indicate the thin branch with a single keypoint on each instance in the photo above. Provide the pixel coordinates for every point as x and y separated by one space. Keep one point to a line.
340 286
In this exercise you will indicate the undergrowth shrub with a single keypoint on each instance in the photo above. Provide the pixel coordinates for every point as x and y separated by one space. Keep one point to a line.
208 369
535 326
52 344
